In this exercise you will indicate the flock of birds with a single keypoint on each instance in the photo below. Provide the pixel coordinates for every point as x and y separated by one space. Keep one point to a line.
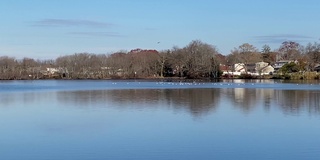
184 83
196 83
205 84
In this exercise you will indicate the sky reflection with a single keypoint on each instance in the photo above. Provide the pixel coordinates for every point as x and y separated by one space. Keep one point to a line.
156 123
194 101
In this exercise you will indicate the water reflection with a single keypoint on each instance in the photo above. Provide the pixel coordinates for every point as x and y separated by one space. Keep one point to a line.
289 101
294 102
197 102
23 99
242 98
248 99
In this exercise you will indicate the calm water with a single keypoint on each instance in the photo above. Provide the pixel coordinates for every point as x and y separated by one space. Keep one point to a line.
131 120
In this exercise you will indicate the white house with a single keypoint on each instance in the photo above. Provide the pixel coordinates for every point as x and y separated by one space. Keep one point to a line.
239 67
259 68
263 68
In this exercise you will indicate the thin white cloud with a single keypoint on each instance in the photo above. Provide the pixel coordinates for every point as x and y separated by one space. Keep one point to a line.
70 23
96 34
279 38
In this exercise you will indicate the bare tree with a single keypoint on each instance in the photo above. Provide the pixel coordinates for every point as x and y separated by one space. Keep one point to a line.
268 55
8 68
201 59
177 61
27 68
162 60
145 63
101 66
313 55
246 54
289 50
266 49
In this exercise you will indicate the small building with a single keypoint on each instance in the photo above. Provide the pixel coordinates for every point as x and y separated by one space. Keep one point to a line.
239 67
236 70
317 68
280 64
52 70
251 67
225 68
257 69
263 68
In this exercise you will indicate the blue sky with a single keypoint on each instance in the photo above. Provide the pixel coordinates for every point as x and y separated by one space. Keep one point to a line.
46 29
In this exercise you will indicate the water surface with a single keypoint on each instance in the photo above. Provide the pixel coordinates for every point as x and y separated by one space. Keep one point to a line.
159 120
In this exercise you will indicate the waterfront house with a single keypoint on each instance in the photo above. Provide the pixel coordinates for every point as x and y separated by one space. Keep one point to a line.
280 64
263 68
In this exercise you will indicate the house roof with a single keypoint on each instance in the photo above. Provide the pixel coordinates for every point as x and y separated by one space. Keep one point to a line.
225 67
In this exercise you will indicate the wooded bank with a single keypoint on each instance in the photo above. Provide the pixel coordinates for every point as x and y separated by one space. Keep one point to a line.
197 60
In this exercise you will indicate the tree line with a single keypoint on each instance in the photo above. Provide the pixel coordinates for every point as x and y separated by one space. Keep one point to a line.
195 60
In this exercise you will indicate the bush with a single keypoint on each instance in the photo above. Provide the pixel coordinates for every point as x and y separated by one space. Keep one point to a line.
246 76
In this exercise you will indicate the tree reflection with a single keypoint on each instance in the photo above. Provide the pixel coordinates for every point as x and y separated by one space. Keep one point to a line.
195 101
6 100
289 101
297 101
25 99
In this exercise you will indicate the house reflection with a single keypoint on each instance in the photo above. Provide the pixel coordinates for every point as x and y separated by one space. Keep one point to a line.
21 99
297 101
197 102
241 98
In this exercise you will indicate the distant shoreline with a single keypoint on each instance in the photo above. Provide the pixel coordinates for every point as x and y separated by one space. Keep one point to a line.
164 79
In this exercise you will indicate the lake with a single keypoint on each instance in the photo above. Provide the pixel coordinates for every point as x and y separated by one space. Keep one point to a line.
152 120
